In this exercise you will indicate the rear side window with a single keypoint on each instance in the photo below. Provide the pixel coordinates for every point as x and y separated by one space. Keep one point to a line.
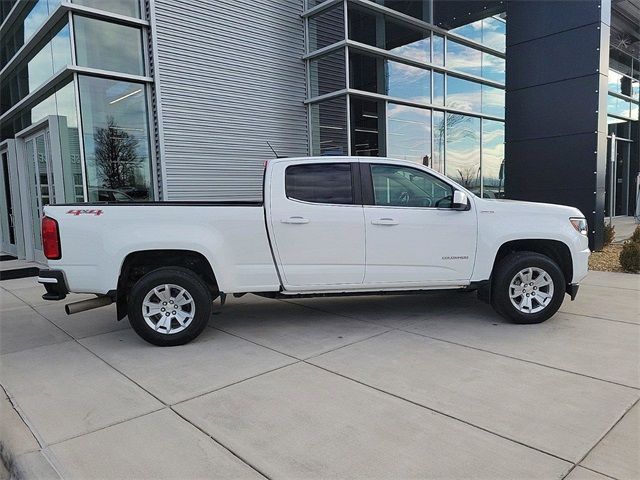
320 183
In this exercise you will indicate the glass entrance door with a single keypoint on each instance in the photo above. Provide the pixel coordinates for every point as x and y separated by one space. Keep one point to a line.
620 187
38 160
7 214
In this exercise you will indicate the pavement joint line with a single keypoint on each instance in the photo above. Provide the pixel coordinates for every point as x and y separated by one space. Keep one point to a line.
519 359
609 286
234 383
401 329
602 438
347 345
438 412
599 318
236 455
596 471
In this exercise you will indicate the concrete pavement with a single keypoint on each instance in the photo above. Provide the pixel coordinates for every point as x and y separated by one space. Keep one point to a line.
422 386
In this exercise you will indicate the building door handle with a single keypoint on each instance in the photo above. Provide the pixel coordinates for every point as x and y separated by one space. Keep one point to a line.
295 220
390 222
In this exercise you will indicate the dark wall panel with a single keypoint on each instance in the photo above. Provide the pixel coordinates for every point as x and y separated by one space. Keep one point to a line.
554 109
530 19
529 62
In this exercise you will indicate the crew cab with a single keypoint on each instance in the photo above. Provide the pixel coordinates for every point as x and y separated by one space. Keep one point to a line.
325 226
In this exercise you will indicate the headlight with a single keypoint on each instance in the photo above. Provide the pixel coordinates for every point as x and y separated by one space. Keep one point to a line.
580 224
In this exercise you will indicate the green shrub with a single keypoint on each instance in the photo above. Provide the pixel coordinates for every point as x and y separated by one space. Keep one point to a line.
630 257
636 235
609 234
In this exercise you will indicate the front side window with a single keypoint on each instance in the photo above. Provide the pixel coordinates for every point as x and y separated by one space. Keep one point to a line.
398 186
320 183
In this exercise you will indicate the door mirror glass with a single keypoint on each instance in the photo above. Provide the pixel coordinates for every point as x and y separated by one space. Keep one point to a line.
460 201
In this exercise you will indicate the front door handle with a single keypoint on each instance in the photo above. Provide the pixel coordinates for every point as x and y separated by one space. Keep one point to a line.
390 222
295 220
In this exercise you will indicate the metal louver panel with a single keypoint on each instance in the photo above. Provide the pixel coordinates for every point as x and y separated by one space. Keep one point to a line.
231 79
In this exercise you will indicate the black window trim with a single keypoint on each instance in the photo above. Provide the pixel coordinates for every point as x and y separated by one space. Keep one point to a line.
368 195
355 185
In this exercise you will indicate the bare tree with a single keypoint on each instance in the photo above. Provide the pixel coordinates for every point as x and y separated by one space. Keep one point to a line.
116 156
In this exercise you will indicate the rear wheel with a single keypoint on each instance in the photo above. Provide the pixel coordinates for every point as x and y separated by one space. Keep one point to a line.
169 306
528 287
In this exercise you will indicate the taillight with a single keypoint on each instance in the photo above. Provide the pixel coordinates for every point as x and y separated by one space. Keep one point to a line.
51 239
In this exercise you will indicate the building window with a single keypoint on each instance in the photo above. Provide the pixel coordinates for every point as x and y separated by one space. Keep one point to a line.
326 27
462 162
31 18
409 133
51 57
327 73
492 159
116 137
129 8
367 127
463 94
420 9
329 127
108 46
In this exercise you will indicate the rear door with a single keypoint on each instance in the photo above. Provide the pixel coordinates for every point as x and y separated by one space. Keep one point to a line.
317 224
414 238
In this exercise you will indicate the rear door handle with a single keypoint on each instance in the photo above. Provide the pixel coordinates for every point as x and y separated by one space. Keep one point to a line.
295 220
390 222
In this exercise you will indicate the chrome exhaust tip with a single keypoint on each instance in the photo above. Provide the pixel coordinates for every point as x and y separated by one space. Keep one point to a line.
84 305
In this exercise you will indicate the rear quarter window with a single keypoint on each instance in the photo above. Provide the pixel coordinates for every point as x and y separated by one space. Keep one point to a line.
320 183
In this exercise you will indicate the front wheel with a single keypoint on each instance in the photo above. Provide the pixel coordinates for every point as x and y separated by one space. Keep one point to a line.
528 287
169 306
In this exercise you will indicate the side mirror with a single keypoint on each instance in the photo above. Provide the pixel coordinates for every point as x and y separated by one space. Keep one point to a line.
460 201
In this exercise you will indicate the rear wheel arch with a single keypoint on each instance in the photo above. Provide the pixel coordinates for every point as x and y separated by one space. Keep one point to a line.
139 263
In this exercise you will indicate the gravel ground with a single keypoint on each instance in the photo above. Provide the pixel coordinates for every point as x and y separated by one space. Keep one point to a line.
607 260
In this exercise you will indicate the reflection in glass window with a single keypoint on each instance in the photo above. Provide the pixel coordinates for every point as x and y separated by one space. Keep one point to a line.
40 66
116 137
439 127
438 88
409 133
618 106
463 94
378 30
320 183
326 28
493 101
108 46
463 150
367 127
61 108
327 73
438 50
420 9
408 82
130 8
493 68
398 186
31 18
329 127
493 159
463 58
490 31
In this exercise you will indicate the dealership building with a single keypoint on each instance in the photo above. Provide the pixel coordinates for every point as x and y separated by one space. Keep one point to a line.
140 100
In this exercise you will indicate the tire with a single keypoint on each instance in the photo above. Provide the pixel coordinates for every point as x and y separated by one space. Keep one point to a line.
165 288
542 282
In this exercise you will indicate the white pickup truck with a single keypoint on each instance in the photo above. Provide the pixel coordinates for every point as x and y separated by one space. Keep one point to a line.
326 226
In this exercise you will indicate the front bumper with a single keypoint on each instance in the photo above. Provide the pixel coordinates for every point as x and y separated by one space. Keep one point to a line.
54 283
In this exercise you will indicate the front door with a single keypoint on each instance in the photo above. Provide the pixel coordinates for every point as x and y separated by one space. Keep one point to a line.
317 224
38 159
413 236
7 208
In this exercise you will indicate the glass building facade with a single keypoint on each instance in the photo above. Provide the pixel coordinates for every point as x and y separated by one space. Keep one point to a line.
623 155
74 102
399 79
